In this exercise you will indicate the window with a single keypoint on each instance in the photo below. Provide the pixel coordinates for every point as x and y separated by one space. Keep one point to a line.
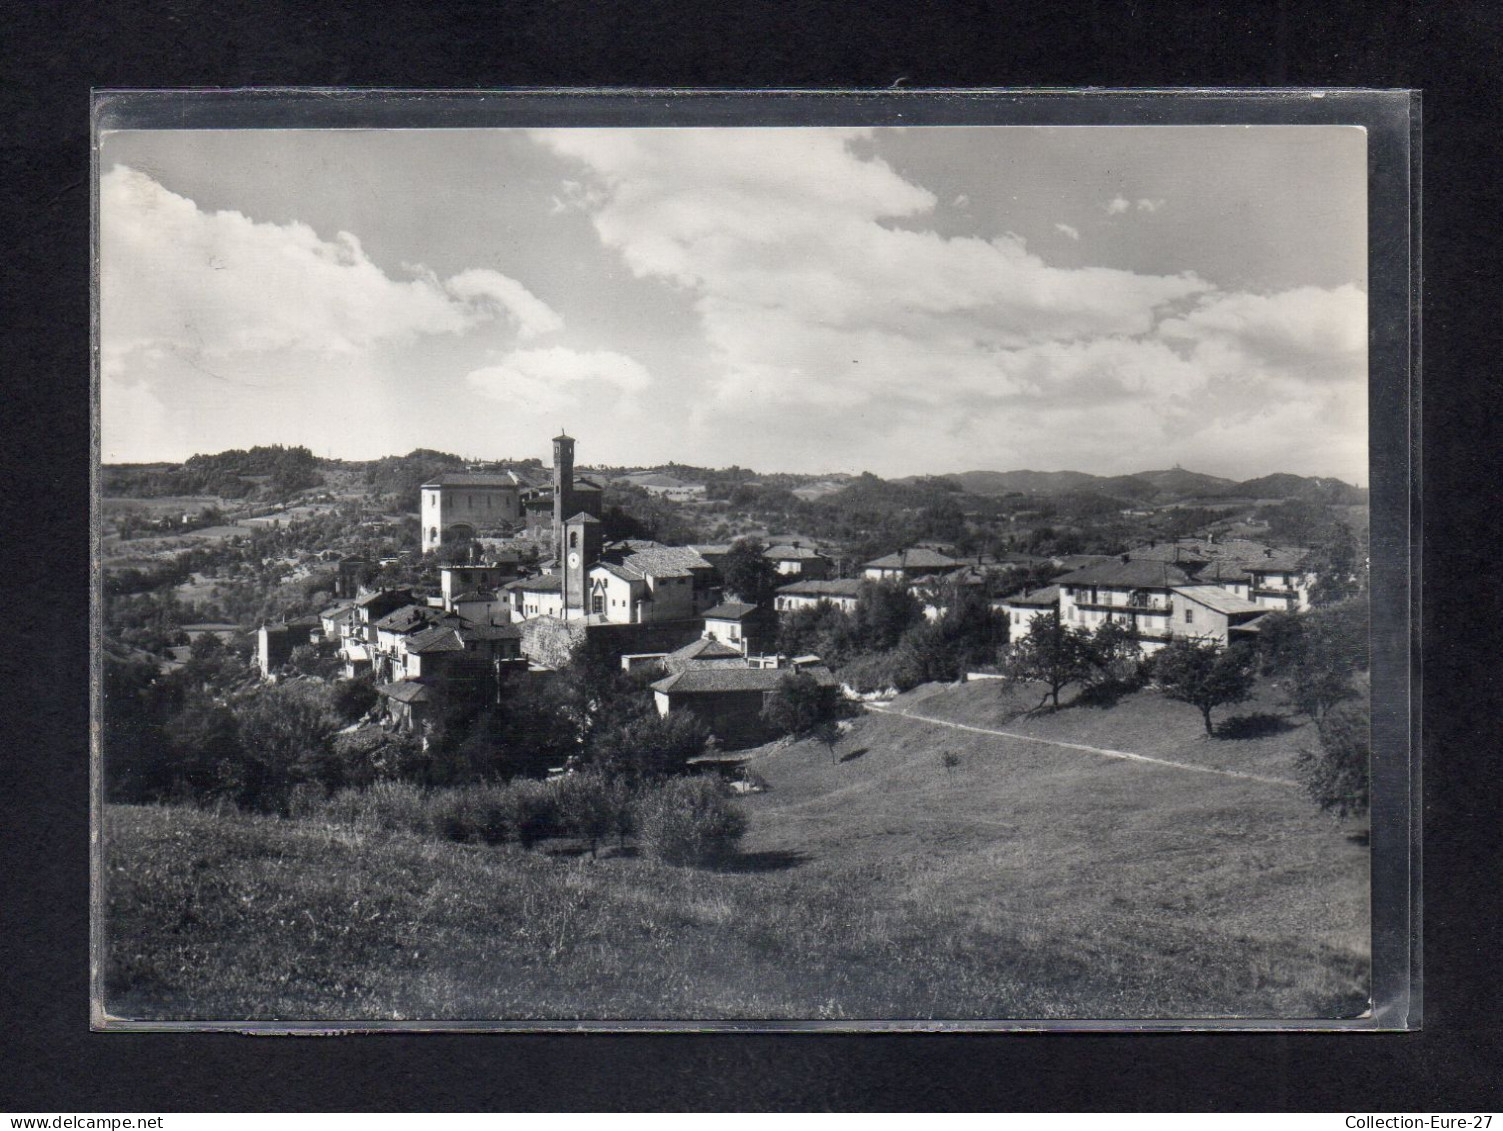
573 539
1189 615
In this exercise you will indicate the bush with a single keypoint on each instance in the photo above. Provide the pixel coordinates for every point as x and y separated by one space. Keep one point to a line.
879 671
798 703
1336 776
588 806
530 810
689 821
386 806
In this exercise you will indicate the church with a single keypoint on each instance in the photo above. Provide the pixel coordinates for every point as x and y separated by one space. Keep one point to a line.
461 505
628 582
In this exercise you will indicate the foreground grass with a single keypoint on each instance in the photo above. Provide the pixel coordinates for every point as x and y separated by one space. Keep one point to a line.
1021 881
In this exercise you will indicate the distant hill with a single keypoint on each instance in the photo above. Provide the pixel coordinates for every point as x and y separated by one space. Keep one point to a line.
1178 481
1307 488
1028 482
1169 485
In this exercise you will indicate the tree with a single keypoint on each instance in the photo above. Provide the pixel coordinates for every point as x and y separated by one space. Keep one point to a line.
285 732
650 745
352 699
689 821
1114 653
1316 654
1337 775
799 703
1205 675
1051 654
884 611
748 573
587 807
827 732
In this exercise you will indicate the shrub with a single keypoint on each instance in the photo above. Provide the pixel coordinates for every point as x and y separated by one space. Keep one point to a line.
386 806
689 821
530 810
587 806
1336 776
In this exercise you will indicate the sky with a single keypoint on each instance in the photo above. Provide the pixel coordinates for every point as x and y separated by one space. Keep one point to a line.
916 300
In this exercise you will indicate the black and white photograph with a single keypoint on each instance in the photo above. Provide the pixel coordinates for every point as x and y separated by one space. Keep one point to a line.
733 575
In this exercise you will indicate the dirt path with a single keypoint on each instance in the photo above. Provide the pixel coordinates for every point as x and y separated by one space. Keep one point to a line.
1103 751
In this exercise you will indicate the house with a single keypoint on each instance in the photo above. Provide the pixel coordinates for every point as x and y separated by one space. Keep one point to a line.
728 700
480 606
275 642
1021 608
455 579
749 628
841 593
905 565
407 705
540 596
337 621
1125 590
798 561
1209 612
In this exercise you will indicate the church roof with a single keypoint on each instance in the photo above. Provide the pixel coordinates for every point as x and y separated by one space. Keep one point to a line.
730 610
584 516
473 479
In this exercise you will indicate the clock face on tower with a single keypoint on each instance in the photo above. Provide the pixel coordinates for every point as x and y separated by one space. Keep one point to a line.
573 561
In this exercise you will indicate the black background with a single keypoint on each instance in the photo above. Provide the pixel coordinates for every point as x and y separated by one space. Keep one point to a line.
50 56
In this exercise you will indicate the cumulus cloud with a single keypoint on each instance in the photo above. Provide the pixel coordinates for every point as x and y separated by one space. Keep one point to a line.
215 284
1073 233
1146 205
557 379
833 319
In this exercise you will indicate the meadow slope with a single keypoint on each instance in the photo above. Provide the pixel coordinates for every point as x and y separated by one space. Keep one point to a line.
1016 879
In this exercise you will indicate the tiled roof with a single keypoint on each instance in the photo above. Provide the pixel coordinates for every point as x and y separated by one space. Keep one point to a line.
843 587
618 571
652 559
472 479
409 618
471 595
477 632
1131 573
343 611
543 583
790 553
1215 597
406 691
705 680
913 559
705 648
436 639
585 517
1045 598
385 596
730 610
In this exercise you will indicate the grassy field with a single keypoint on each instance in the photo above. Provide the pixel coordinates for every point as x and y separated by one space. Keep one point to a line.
1021 880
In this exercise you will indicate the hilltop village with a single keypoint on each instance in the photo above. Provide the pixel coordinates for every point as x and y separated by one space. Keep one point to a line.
672 611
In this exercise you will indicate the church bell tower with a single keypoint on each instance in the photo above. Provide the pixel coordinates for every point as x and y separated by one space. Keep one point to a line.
563 489
582 538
